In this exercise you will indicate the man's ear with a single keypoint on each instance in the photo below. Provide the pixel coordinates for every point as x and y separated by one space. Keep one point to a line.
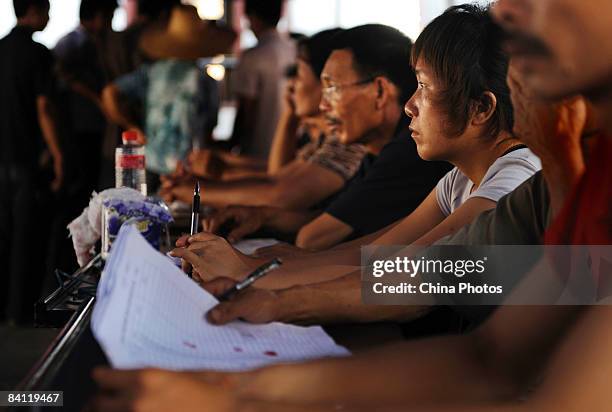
483 108
385 90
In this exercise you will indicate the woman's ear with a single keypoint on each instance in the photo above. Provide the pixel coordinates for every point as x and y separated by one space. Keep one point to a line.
483 109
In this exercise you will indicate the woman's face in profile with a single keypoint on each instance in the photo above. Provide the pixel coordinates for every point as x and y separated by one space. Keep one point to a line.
429 123
306 91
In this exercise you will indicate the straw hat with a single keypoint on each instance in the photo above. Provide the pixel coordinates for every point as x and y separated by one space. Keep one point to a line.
185 37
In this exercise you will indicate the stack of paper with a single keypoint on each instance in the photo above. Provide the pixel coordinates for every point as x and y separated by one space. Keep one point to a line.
150 314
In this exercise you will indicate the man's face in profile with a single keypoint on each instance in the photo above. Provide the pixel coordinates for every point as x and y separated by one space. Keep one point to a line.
348 99
560 47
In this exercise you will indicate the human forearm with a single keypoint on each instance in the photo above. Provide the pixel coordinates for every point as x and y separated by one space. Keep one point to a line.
284 144
241 161
288 221
365 240
86 92
253 405
309 260
311 267
48 126
573 374
113 107
441 369
501 405
324 232
329 294
239 173
304 276
246 192
241 221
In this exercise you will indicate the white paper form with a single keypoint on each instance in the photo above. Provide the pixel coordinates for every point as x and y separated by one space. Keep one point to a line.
250 246
149 314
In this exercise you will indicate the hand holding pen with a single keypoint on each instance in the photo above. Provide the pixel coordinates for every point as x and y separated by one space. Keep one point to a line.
254 305
212 256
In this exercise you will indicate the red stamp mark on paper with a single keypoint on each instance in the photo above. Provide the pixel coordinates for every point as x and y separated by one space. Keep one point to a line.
189 345
270 353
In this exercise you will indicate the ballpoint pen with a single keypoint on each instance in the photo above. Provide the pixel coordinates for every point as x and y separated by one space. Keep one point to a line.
251 278
195 216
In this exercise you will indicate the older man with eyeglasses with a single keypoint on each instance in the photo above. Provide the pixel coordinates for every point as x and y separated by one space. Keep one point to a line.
366 81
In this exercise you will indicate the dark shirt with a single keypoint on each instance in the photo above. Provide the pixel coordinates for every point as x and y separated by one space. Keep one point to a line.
387 187
25 73
520 218
79 61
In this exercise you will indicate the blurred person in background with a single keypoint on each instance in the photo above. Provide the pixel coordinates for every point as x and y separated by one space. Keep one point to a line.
257 82
179 101
29 146
224 165
123 55
81 71
80 67
218 164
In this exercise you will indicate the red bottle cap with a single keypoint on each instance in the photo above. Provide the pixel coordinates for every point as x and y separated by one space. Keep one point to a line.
129 136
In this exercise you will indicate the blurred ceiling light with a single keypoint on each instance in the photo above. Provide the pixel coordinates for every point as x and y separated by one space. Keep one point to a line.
208 9
216 71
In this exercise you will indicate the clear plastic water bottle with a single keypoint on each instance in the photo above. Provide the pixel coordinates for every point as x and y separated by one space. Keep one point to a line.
130 163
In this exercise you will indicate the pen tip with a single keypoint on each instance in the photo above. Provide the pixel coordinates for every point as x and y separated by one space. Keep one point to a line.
197 186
